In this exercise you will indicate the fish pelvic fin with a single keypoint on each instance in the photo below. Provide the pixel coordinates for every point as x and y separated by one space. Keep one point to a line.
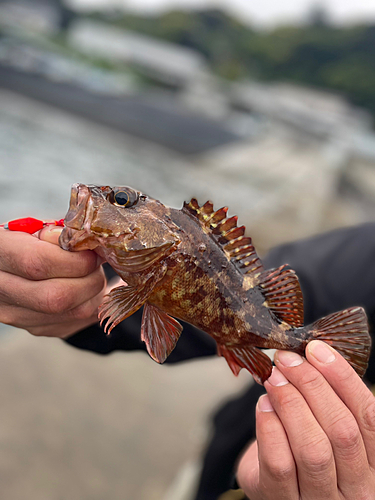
348 332
251 358
160 332
282 291
231 238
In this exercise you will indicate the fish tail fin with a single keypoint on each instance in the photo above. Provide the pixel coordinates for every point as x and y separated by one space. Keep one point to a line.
348 332
251 358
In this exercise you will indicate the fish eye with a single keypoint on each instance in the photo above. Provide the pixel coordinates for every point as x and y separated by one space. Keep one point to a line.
122 197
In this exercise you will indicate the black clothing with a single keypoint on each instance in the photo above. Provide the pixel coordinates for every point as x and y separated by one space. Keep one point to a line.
336 270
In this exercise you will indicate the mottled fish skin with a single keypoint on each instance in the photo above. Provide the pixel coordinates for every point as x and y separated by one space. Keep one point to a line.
204 289
197 265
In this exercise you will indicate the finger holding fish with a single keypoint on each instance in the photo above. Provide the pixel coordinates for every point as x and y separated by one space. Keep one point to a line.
36 259
52 296
353 393
332 452
45 290
319 412
267 467
310 446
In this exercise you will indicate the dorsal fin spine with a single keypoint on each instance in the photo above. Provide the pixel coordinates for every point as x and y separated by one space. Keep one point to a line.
237 247
207 208
218 216
234 233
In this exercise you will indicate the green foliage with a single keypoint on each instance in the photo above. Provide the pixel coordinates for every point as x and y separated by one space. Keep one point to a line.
337 58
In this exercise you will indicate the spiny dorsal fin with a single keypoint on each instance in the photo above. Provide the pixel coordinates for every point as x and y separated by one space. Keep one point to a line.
283 294
237 247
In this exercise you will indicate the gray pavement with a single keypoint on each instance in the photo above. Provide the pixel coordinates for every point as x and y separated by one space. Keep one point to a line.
79 426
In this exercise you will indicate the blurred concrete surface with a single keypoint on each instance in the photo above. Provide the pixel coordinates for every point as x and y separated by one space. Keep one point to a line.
79 426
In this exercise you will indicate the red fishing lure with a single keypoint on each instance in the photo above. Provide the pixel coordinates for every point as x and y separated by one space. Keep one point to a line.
29 224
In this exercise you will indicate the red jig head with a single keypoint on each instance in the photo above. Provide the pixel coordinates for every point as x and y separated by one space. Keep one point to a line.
29 225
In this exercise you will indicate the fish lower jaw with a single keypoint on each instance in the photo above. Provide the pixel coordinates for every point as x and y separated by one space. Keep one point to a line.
75 240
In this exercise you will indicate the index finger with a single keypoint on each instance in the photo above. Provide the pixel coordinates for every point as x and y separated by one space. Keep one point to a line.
33 259
349 387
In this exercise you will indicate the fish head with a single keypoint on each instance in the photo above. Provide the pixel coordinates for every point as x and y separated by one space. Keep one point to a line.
118 223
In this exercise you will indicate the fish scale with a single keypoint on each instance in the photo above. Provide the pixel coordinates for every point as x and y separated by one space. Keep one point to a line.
197 265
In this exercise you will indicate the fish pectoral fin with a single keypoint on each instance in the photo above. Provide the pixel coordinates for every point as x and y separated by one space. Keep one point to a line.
124 301
160 332
251 358
121 303
138 260
282 291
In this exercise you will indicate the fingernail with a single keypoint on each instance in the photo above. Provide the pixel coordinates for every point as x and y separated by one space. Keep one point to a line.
54 229
50 234
277 379
288 358
264 404
321 351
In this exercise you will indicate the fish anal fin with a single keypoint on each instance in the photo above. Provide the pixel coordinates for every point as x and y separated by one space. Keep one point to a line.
251 358
348 332
160 332
230 237
233 365
283 294
119 304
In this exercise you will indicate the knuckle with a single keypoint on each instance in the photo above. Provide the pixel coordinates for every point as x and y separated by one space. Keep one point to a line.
290 401
364 492
346 376
100 280
85 311
311 378
33 266
345 434
316 458
280 472
56 299
6 317
36 332
87 262
369 414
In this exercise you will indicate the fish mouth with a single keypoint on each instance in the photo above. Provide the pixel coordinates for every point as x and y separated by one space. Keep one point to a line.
76 235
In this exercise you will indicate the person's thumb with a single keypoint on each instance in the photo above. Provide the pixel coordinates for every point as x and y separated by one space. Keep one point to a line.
50 234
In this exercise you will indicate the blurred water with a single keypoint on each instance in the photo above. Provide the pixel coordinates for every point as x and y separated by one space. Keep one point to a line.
43 151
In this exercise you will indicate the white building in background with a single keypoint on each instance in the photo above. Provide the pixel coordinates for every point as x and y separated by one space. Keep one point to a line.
39 16
171 63
319 114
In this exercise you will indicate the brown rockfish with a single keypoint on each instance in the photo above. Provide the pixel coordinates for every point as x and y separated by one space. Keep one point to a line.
197 265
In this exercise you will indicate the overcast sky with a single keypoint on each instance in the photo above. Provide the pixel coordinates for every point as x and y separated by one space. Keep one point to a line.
266 12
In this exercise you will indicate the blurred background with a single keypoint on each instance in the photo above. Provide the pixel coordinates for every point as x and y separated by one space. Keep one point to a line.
266 108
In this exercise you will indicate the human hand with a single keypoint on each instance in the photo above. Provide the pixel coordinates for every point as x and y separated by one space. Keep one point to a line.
46 290
315 432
